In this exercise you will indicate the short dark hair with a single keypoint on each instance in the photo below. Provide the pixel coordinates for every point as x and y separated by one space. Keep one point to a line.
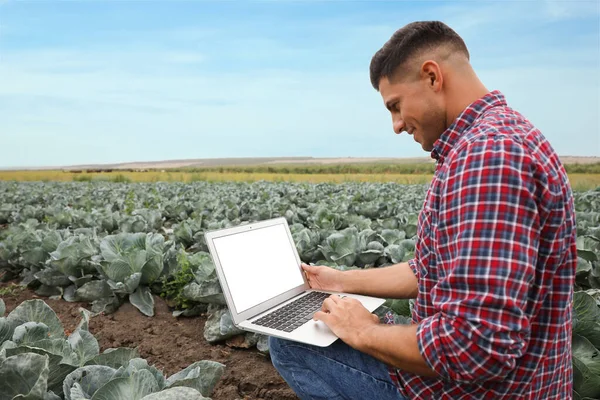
409 41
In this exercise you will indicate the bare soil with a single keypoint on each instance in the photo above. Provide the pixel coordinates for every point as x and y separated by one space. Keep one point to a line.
172 344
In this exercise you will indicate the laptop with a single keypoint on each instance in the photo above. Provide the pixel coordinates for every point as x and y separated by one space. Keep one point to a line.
264 285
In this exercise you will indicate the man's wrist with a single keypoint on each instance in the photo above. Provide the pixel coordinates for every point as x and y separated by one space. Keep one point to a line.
346 280
365 338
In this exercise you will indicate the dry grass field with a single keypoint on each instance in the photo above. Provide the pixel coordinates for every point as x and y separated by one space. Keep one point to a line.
158 176
579 181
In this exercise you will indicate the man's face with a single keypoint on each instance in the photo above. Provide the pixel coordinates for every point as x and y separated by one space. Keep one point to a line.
416 109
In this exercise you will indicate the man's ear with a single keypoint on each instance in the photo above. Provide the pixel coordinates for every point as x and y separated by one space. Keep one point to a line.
431 71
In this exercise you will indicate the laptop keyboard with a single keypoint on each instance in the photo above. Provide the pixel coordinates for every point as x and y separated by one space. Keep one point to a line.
294 314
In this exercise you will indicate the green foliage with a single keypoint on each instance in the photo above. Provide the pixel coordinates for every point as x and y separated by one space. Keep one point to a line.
38 360
399 306
12 289
130 202
425 167
108 243
82 178
583 168
357 168
172 286
120 178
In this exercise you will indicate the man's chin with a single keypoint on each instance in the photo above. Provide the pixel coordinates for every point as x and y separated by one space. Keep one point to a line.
427 147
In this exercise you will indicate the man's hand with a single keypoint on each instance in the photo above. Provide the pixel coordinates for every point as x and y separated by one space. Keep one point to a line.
395 345
347 318
324 278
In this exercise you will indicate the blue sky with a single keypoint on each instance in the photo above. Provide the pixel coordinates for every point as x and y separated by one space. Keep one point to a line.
115 81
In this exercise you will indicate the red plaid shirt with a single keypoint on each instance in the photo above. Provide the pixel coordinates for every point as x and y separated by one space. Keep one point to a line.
495 261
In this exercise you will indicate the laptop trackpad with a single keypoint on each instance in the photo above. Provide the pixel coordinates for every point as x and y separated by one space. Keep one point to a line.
320 325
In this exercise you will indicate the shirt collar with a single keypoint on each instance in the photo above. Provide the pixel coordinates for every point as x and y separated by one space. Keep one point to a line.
442 146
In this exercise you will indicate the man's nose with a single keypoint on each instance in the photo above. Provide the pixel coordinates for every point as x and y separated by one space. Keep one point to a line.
399 125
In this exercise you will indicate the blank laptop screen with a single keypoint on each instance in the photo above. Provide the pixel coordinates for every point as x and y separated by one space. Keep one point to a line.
258 265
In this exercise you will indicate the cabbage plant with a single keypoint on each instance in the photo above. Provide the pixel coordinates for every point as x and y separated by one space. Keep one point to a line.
131 262
39 361
107 243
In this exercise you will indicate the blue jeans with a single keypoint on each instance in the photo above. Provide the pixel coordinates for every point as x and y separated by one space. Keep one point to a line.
335 372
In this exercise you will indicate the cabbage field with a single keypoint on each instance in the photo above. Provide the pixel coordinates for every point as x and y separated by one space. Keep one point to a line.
110 243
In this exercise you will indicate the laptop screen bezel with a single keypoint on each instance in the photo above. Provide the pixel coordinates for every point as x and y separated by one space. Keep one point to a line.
239 317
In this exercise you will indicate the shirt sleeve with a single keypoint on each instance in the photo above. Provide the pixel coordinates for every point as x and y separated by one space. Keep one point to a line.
413 266
486 248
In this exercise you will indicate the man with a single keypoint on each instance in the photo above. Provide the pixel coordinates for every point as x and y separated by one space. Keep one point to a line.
495 254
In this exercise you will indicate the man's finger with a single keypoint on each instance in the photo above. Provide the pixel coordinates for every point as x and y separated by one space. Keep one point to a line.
335 298
308 268
321 316
328 304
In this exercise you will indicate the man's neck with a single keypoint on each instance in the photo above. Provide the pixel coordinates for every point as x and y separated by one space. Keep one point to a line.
465 92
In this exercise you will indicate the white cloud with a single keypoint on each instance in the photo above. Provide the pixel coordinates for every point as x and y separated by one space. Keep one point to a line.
567 9
267 114
144 101
70 60
195 115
